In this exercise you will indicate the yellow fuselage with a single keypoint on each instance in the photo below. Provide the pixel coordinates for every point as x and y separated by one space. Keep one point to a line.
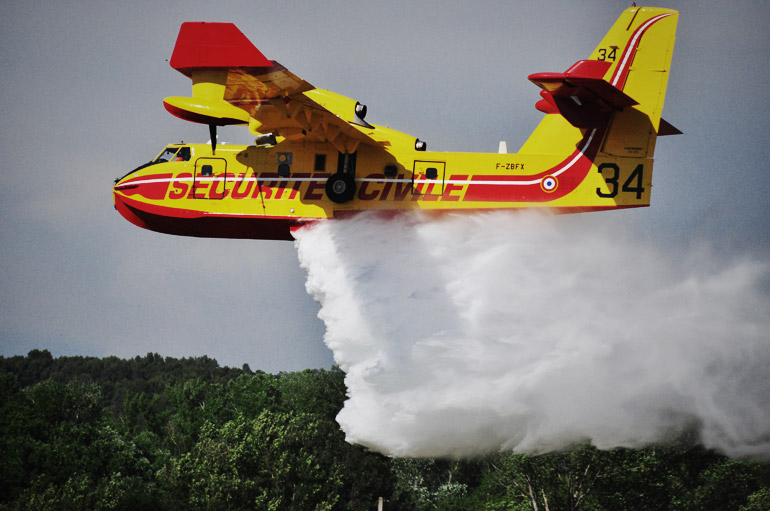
263 191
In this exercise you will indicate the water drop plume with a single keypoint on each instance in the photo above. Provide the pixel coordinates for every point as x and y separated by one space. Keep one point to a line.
471 334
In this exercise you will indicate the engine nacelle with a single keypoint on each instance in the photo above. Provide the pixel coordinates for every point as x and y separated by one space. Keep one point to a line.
345 108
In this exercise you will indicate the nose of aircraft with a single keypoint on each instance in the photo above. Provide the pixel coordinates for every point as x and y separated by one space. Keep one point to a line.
137 192
122 184
149 184
124 177
128 208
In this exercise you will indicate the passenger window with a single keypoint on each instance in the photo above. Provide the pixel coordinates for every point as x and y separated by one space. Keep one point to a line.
320 163
207 171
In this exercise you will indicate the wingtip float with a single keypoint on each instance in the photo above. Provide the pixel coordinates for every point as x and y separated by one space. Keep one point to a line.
315 157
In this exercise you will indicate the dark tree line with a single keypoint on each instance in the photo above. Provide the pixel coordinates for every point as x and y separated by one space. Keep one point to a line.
167 434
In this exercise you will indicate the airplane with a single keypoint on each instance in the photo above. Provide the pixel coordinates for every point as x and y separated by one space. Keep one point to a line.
315 156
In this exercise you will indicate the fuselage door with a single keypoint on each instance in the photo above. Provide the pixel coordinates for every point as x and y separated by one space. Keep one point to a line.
210 178
428 178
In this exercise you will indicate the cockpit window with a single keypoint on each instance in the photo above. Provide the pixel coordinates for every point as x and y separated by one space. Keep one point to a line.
170 153
167 155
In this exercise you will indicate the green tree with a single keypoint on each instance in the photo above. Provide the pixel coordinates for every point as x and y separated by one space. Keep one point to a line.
251 395
725 484
61 451
275 461
424 484
188 402
562 481
758 501
315 391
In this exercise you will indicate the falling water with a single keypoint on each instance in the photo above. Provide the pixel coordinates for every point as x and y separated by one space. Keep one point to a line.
506 331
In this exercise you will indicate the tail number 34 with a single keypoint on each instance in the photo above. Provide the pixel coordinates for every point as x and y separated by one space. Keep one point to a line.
611 174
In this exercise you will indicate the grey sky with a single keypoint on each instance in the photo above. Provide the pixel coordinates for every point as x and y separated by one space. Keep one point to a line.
82 86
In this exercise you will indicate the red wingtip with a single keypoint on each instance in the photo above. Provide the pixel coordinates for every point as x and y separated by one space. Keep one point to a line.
203 45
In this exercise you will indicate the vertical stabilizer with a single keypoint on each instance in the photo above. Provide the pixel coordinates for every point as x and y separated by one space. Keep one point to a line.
620 89
641 72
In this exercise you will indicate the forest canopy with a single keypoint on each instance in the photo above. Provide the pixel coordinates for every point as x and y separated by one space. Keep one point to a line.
167 434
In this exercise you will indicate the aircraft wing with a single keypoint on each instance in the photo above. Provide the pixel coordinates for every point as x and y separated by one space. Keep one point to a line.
233 83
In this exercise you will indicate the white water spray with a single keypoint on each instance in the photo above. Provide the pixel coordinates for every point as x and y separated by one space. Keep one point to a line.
504 331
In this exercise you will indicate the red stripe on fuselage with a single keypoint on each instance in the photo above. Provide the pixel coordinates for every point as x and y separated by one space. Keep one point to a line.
151 187
569 173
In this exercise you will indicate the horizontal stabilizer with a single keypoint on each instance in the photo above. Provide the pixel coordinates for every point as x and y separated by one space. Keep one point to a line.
666 128
581 94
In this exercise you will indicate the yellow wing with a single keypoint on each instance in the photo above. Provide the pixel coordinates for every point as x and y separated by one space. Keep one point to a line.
233 83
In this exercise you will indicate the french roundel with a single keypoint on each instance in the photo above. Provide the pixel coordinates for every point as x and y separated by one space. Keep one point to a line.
549 183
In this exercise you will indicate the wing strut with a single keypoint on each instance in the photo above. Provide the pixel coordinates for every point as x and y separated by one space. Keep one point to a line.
213 135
